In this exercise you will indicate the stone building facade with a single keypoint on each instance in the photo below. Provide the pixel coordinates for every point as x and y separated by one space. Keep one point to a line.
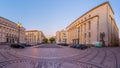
97 25
10 32
61 36
34 36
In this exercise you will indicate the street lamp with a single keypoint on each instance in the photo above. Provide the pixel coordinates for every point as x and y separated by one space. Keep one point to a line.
19 26
78 27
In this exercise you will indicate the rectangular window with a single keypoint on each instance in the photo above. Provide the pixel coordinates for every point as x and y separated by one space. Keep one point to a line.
85 26
89 15
89 25
85 35
89 34
81 28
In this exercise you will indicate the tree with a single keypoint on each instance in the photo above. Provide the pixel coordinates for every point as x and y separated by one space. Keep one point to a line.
45 40
52 39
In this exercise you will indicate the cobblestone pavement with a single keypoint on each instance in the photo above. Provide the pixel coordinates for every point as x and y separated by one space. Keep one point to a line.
55 56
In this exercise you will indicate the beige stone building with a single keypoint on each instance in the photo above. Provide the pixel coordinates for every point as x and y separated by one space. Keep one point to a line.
10 32
96 25
34 36
61 36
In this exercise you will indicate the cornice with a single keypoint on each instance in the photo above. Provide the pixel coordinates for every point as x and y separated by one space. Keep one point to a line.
92 10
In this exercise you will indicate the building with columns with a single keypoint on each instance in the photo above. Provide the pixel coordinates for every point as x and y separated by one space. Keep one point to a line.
61 36
96 25
10 32
34 36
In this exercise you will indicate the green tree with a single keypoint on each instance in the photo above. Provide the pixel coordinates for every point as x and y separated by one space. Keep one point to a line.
52 39
45 40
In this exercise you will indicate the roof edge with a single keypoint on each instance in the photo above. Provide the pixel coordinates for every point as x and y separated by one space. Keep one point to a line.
107 2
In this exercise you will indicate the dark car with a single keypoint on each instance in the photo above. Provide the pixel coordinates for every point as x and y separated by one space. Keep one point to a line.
17 45
83 46
59 43
63 44
79 46
73 45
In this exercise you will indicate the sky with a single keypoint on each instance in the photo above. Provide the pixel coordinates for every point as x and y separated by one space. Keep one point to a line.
50 16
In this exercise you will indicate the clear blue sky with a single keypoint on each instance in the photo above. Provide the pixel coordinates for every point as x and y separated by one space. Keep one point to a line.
50 15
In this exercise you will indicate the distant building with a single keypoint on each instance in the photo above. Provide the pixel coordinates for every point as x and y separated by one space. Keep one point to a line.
34 36
61 36
97 25
9 32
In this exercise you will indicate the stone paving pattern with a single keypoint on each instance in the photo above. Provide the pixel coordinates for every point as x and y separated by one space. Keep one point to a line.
56 56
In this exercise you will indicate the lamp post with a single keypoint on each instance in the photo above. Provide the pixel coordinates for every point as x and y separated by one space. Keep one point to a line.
19 26
78 27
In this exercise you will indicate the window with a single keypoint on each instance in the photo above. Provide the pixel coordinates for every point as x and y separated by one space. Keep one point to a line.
81 20
89 25
85 26
89 34
81 28
85 35
89 15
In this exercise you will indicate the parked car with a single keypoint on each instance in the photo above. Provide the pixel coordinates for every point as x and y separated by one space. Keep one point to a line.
98 44
32 44
58 43
83 46
79 46
73 45
63 44
17 45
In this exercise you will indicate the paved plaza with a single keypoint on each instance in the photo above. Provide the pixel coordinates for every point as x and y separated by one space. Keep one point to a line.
56 56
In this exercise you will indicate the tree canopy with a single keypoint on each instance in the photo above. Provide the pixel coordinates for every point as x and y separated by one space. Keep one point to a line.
45 40
52 39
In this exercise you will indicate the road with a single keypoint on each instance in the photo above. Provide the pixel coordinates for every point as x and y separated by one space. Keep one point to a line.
56 56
